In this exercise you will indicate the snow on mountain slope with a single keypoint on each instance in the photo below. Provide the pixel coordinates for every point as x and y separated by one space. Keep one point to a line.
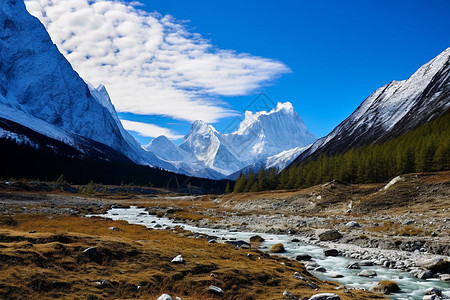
39 81
260 135
167 150
264 134
183 161
40 90
278 161
392 110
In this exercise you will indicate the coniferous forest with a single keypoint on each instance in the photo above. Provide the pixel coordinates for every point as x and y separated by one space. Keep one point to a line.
424 149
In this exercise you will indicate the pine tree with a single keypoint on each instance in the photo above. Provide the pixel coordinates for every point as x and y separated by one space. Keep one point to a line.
228 188
251 179
239 186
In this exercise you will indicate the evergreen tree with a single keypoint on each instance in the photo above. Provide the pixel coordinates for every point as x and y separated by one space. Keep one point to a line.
239 186
251 179
228 188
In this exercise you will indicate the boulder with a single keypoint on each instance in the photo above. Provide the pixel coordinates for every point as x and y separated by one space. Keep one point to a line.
367 263
353 224
325 296
367 273
239 244
164 297
320 269
329 235
431 297
277 248
303 257
423 274
433 291
257 239
436 265
444 277
331 252
385 287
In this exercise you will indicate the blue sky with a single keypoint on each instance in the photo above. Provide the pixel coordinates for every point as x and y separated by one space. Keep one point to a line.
325 57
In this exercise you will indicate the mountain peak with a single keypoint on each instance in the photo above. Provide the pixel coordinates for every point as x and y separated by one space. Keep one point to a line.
286 106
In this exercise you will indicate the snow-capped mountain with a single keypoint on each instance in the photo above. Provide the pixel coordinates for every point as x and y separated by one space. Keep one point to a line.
259 136
42 96
40 90
392 110
38 85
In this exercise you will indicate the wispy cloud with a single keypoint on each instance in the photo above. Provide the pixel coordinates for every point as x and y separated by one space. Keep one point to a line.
150 63
149 130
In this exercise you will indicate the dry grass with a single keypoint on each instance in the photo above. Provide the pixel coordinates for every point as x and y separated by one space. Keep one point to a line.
50 264
391 228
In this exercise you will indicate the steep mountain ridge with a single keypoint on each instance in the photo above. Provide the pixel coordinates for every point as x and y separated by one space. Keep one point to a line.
40 90
391 110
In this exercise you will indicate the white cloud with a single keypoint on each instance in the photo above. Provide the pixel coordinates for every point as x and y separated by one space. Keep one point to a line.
149 130
150 63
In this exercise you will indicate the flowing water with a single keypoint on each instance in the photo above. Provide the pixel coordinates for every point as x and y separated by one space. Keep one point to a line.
411 287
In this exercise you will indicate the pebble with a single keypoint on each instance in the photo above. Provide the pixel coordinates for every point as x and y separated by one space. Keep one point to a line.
178 259
353 265
215 290
288 294
367 273
164 297
331 252
297 275
325 296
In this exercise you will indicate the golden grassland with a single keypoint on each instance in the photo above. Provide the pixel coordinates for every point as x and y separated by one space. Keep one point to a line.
135 263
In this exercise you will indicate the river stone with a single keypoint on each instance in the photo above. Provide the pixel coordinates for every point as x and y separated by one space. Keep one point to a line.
433 291
431 297
320 269
331 252
178 259
353 224
329 235
436 265
423 274
367 273
164 297
385 287
257 239
325 296
367 263
277 248
337 276
304 257
444 277
215 290
114 228
239 244
353 265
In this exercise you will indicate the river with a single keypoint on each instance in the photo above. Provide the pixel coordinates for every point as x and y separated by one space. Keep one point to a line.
411 287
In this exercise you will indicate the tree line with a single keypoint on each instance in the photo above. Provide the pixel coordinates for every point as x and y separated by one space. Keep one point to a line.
424 149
